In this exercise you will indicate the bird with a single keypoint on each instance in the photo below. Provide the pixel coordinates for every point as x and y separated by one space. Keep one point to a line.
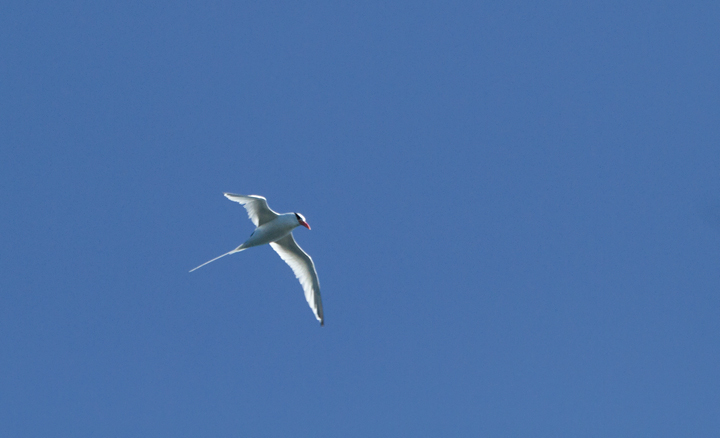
276 229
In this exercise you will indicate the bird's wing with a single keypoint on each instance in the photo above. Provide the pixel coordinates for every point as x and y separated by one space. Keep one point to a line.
256 206
304 269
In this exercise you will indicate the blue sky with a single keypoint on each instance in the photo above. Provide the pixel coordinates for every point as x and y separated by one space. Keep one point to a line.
515 217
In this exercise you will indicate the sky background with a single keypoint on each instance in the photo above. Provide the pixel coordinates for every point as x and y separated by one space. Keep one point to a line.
515 213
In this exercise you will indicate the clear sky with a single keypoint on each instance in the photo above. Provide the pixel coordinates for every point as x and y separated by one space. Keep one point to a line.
515 216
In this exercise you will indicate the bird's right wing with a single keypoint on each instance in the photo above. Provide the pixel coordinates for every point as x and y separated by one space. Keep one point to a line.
304 269
256 206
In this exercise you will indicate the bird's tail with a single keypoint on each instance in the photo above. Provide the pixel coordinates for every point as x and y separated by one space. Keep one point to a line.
238 249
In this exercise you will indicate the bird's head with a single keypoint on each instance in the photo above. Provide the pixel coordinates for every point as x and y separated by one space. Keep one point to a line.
301 220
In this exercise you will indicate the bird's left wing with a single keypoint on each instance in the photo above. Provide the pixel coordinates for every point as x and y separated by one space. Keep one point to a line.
256 206
304 269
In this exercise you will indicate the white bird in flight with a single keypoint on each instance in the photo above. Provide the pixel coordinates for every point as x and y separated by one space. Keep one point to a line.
276 229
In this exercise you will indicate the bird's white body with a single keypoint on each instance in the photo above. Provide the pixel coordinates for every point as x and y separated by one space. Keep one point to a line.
276 229
271 231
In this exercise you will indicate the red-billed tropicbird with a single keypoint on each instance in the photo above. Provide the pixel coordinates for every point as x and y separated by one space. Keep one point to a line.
276 229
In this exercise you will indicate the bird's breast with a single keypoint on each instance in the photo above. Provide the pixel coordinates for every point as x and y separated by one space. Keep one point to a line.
269 232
